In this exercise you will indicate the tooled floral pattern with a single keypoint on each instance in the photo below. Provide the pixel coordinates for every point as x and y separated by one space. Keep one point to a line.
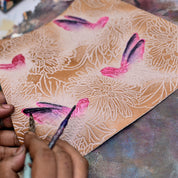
154 91
163 45
46 55
95 134
161 40
104 45
108 44
94 4
109 97
10 47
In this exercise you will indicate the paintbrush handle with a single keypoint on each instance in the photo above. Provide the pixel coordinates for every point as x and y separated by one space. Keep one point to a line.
61 128
55 138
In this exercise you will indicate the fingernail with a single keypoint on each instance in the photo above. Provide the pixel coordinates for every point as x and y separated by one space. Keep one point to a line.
6 106
20 150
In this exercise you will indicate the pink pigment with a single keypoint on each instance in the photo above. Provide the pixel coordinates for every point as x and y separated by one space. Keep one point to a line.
124 57
58 112
17 61
113 72
134 52
99 24
81 107
74 26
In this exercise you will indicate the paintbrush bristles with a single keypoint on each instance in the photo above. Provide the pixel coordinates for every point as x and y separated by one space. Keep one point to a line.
31 123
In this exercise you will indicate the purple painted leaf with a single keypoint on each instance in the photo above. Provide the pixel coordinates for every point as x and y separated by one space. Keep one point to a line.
133 52
50 105
130 45
73 23
48 113
75 18
137 52
44 115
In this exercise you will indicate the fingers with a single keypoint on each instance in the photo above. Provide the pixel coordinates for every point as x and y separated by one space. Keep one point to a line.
6 110
64 163
44 162
6 123
2 98
11 165
8 138
80 164
12 159
6 152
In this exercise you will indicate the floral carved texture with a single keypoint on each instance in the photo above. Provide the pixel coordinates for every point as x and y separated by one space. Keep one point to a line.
161 40
109 97
162 46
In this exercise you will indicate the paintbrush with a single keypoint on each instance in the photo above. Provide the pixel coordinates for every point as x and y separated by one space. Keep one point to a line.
60 130
28 161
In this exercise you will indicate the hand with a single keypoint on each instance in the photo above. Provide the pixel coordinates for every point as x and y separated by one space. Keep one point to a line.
11 156
8 137
61 162
7 134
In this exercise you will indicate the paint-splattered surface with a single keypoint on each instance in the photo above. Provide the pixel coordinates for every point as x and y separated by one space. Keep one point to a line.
29 15
167 9
148 147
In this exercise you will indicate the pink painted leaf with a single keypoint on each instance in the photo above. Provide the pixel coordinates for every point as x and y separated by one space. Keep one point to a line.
71 23
133 52
48 113
17 61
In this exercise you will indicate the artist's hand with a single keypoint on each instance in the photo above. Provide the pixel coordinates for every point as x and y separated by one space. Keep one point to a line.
61 162
8 137
11 156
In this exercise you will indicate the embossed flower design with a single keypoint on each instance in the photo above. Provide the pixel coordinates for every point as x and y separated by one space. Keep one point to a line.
81 144
45 54
109 44
111 98
10 48
163 45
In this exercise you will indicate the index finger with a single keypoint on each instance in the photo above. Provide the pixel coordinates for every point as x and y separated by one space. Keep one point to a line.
5 111
2 98
44 162
80 164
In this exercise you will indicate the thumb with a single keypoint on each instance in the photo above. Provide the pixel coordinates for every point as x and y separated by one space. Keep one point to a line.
11 165
17 160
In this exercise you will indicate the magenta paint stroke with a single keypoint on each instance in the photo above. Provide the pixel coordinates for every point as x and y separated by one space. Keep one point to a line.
48 113
71 23
133 52
17 61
